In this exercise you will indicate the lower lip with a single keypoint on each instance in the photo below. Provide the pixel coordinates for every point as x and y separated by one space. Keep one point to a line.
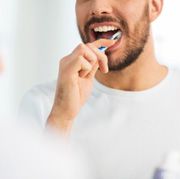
116 45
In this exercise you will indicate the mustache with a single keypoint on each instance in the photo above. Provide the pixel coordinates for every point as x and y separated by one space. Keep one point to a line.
93 20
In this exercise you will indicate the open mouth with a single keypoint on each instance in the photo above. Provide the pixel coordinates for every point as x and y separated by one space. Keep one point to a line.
105 32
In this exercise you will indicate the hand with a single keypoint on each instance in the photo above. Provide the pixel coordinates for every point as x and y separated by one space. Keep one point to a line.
75 79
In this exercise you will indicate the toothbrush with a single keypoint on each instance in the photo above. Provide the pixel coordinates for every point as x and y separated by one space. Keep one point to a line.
116 36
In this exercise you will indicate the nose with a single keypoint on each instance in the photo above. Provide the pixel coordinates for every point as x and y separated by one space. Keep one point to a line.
100 7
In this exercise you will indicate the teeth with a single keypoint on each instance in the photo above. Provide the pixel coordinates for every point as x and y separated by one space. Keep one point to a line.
105 28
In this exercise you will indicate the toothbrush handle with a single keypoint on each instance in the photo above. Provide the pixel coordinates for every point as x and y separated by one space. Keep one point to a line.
103 49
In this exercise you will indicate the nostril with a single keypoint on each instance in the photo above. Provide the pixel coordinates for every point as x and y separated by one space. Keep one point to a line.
104 12
101 11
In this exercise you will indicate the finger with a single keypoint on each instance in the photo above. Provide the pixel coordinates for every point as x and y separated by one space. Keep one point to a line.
83 50
102 58
84 66
93 71
103 42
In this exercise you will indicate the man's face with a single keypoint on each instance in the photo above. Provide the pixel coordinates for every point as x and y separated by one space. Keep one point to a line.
103 18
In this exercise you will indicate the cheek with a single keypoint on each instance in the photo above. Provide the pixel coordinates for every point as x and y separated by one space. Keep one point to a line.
132 12
82 10
80 17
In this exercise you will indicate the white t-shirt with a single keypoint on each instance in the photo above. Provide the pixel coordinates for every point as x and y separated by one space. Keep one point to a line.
125 134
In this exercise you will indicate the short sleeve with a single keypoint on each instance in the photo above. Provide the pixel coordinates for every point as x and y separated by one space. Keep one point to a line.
35 107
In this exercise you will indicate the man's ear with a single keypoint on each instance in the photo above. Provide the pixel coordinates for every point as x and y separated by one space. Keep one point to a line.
155 8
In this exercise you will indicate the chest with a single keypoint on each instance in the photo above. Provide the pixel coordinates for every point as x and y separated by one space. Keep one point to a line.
128 138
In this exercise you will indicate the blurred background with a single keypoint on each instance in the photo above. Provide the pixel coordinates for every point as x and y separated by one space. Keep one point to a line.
35 34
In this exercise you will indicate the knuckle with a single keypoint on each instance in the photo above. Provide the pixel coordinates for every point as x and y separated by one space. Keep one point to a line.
90 45
81 47
80 59
88 66
94 58
62 61
102 57
93 52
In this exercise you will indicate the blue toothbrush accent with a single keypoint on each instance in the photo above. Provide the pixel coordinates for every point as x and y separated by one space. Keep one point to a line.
102 49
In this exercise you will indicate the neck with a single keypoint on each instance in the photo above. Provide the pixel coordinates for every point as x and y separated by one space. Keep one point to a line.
143 74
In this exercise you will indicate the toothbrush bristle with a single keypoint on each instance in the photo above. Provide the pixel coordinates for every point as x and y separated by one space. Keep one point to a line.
116 36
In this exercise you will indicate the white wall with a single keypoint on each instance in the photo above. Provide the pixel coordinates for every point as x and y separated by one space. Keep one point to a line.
43 31
166 33
7 34
46 32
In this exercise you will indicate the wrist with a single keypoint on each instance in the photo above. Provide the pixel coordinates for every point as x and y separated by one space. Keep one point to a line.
60 121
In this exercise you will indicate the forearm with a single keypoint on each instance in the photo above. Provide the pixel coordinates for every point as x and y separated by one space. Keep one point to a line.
60 121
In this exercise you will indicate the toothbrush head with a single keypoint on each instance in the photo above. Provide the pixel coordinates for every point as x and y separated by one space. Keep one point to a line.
116 36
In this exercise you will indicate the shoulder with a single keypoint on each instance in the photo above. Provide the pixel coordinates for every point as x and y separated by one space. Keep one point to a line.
46 89
40 95
37 102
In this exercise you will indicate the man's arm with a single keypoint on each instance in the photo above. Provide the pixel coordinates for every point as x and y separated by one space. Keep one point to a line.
74 83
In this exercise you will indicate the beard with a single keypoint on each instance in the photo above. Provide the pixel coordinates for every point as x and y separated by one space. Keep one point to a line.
135 41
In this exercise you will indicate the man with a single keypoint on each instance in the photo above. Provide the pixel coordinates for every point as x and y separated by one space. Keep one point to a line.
122 105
